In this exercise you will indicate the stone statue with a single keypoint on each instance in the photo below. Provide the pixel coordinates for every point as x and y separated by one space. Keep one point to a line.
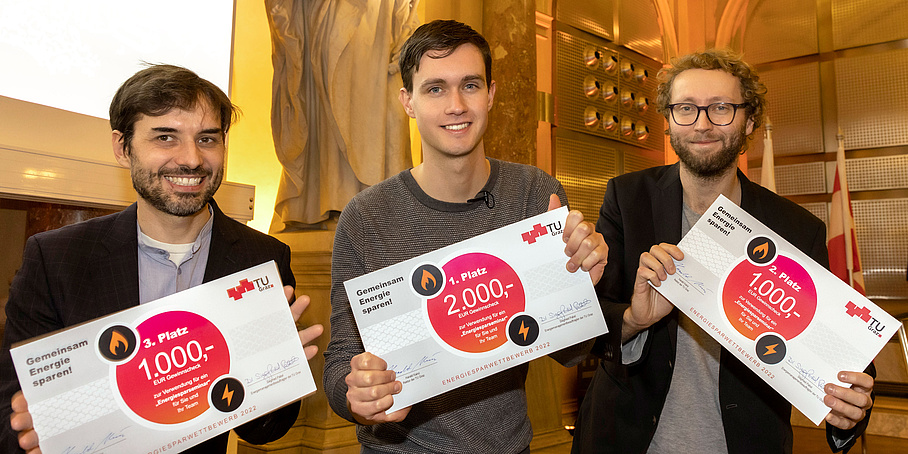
337 124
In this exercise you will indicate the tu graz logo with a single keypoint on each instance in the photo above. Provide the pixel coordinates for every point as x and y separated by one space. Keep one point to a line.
538 231
427 280
863 313
261 283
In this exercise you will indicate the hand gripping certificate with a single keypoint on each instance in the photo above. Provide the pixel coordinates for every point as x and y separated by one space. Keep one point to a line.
169 374
471 309
791 321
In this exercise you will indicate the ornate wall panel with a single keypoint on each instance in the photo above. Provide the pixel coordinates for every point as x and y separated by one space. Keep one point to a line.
583 166
872 174
793 98
638 160
778 30
862 22
605 90
882 234
795 179
639 28
872 93
594 16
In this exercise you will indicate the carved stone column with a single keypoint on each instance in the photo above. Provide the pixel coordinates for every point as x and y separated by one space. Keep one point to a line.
510 29
318 429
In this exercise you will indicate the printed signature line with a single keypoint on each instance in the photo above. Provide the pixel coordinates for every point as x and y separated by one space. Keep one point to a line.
417 369
266 378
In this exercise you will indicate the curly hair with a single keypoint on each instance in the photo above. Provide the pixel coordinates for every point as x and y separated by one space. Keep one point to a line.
753 91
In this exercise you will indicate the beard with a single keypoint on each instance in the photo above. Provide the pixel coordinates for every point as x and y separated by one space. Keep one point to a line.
715 165
150 187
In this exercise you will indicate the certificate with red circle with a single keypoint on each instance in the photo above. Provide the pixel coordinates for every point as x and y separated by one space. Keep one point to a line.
179 355
782 314
475 308
481 292
778 296
168 374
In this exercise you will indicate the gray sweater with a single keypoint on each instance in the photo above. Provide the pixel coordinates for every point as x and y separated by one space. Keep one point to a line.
394 221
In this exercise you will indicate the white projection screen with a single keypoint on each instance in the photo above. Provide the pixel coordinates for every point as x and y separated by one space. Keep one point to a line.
72 55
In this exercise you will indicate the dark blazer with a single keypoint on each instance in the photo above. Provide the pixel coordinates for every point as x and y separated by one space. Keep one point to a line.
90 269
621 409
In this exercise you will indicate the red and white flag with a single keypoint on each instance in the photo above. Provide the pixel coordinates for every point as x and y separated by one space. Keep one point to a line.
844 258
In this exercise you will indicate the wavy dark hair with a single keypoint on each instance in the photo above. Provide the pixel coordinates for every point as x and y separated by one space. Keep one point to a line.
157 89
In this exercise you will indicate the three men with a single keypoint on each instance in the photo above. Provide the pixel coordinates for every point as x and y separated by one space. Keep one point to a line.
664 384
169 128
455 194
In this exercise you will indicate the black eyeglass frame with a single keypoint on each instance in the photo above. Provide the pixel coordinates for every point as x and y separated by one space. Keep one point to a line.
735 107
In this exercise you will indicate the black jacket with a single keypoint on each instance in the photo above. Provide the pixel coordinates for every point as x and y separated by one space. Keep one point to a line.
622 407
90 269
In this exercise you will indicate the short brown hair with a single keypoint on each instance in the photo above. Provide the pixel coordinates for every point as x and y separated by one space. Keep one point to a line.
444 36
753 91
156 90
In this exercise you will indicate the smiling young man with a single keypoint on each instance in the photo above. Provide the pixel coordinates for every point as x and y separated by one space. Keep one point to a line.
169 128
455 194
664 385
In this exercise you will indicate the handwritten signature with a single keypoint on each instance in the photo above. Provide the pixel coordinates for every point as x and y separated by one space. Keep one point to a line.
698 285
274 368
110 439
425 361
565 309
808 374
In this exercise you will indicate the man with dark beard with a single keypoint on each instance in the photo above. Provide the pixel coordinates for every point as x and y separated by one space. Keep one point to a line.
169 128
664 385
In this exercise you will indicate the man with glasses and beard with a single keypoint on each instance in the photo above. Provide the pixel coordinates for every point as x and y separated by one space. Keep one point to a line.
664 385
169 128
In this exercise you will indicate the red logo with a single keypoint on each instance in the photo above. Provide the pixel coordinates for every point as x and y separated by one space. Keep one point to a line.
862 312
237 292
538 231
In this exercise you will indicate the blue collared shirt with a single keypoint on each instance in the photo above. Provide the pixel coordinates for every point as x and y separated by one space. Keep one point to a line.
159 276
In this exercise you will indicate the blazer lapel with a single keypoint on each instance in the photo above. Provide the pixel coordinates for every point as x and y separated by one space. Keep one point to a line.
750 202
117 262
667 210
667 207
224 236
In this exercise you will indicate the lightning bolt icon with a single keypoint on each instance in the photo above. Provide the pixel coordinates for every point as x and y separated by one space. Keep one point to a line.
523 331
228 394
770 349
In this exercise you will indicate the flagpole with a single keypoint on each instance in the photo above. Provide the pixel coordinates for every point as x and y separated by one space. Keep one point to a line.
767 170
846 207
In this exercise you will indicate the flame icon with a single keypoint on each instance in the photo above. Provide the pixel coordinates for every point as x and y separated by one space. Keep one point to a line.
762 249
228 394
116 341
770 349
523 330
426 277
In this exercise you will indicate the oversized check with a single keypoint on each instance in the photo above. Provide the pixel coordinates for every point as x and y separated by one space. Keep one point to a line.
471 309
169 374
791 321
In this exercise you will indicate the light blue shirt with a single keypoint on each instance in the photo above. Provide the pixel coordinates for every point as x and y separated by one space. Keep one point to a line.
159 276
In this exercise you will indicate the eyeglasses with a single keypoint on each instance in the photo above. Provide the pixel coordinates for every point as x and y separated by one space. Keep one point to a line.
718 113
